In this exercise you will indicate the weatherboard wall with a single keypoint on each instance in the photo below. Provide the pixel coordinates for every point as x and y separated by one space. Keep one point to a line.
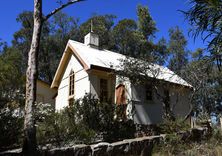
180 100
44 93
81 83
151 112
94 78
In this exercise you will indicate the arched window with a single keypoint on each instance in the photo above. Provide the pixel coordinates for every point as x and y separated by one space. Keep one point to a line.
71 83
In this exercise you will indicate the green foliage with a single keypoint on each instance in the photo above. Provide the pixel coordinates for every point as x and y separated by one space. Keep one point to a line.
169 127
120 130
100 118
11 98
130 37
205 17
11 128
55 35
204 77
177 49
161 52
102 26
86 121
127 39
89 111
203 117
146 24
60 128
173 145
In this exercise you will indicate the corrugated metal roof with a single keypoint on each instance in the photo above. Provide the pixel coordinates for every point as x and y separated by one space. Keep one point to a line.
108 59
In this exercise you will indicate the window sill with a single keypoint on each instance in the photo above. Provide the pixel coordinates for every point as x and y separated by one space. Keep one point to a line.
71 97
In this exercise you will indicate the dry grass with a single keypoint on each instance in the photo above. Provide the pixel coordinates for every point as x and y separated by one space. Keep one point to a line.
173 146
196 150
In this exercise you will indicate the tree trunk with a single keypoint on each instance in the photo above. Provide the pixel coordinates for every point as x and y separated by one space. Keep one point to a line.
30 144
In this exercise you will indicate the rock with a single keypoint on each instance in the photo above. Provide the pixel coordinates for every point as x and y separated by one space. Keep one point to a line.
78 150
100 149
14 152
65 151
118 148
82 150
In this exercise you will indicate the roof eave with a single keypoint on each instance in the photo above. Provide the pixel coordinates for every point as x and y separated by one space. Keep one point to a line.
69 50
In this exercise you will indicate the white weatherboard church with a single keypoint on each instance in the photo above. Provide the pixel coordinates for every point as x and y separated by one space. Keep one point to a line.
84 68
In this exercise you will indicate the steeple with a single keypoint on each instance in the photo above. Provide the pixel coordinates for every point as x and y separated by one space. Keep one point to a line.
91 39
91 26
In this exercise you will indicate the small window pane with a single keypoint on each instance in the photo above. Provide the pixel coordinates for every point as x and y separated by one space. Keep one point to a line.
71 83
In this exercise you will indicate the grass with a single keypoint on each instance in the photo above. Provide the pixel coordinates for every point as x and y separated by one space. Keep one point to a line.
174 146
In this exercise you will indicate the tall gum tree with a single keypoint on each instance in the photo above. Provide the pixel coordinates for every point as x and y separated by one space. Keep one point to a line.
30 143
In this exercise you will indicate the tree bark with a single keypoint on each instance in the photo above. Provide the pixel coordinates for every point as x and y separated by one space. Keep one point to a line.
30 143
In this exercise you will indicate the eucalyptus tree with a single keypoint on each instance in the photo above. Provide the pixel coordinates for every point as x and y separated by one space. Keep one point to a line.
146 24
202 74
177 50
11 98
61 28
102 26
29 144
127 38
155 52
205 16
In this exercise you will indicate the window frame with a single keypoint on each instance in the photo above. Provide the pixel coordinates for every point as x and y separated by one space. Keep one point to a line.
103 90
71 84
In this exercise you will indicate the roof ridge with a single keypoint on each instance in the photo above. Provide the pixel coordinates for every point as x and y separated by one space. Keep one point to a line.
107 50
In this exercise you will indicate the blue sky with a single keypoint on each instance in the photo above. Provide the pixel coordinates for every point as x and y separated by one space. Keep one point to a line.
165 13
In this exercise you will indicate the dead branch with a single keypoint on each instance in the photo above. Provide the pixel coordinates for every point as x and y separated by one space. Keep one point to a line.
60 8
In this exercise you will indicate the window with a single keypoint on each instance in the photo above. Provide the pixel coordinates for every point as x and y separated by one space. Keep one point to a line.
167 97
71 83
103 90
149 93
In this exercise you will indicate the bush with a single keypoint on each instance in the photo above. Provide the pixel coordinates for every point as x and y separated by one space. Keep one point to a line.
169 126
120 130
86 121
92 113
10 129
60 128
174 145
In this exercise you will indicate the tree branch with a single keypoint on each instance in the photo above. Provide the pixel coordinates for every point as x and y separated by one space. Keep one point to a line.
60 8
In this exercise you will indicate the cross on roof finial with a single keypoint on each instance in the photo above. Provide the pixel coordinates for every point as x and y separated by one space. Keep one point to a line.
91 25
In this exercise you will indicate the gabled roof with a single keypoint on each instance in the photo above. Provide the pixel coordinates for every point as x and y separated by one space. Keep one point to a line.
90 57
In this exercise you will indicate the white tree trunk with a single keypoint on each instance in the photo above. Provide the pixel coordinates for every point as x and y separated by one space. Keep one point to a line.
29 144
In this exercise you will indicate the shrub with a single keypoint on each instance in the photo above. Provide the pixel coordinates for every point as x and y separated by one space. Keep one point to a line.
10 129
169 126
100 118
120 130
86 121
60 128
96 115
